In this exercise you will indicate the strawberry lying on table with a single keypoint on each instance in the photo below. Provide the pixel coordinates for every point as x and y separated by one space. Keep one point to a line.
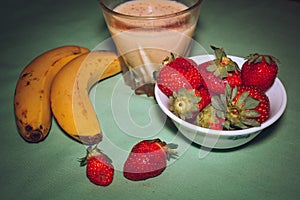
148 159
99 168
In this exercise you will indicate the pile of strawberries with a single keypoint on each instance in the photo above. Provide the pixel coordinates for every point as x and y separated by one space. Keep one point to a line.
217 94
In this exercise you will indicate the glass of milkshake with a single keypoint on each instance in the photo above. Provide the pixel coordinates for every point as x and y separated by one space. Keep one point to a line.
145 32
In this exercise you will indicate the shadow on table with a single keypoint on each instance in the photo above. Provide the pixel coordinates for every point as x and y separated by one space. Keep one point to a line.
260 138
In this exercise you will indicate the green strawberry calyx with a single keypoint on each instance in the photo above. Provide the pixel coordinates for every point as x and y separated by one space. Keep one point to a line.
167 148
184 103
240 113
209 115
169 59
92 152
258 58
221 66
166 61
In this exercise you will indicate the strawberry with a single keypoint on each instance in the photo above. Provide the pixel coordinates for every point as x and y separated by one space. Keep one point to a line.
209 118
260 71
187 103
245 106
99 168
220 71
147 159
177 73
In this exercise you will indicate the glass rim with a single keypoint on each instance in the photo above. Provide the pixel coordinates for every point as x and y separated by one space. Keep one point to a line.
105 7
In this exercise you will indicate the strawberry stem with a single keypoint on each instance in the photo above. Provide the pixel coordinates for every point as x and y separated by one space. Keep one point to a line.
90 152
169 149
222 65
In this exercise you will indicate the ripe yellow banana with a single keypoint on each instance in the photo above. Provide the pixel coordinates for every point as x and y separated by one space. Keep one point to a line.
70 101
32 93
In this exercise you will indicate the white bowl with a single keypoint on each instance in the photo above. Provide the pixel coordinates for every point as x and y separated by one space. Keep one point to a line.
225 139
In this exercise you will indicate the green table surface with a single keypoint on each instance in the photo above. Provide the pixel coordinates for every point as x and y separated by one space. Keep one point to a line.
266 168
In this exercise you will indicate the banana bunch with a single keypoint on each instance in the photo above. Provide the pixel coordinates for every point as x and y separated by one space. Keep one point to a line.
33 95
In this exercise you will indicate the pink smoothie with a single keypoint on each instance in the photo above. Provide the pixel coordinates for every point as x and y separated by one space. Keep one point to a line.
144 44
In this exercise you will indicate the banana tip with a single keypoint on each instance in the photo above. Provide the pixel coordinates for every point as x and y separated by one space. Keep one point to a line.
34 136
91 140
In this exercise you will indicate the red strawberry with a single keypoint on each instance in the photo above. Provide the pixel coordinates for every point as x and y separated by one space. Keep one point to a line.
99 168
147 159
247 106
220 71
187 103
260 71
178 73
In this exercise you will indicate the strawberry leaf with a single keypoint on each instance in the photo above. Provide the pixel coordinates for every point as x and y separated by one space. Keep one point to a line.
233 92
258 60
172 146
222 72
223 100
267 59
241 124
155 74
250 122
221 114
241 100
219 52
227 125
232 66
250 113
275 60
211 68
217 103
251 103
228 92
251 58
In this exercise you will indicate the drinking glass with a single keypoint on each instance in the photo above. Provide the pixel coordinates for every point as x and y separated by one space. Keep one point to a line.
145 32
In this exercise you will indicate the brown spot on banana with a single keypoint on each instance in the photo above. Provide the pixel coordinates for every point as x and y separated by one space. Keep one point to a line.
46 72
84 112
24 113
36 79
26 74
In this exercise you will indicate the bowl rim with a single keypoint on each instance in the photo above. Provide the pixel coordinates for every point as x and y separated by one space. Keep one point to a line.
184 123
